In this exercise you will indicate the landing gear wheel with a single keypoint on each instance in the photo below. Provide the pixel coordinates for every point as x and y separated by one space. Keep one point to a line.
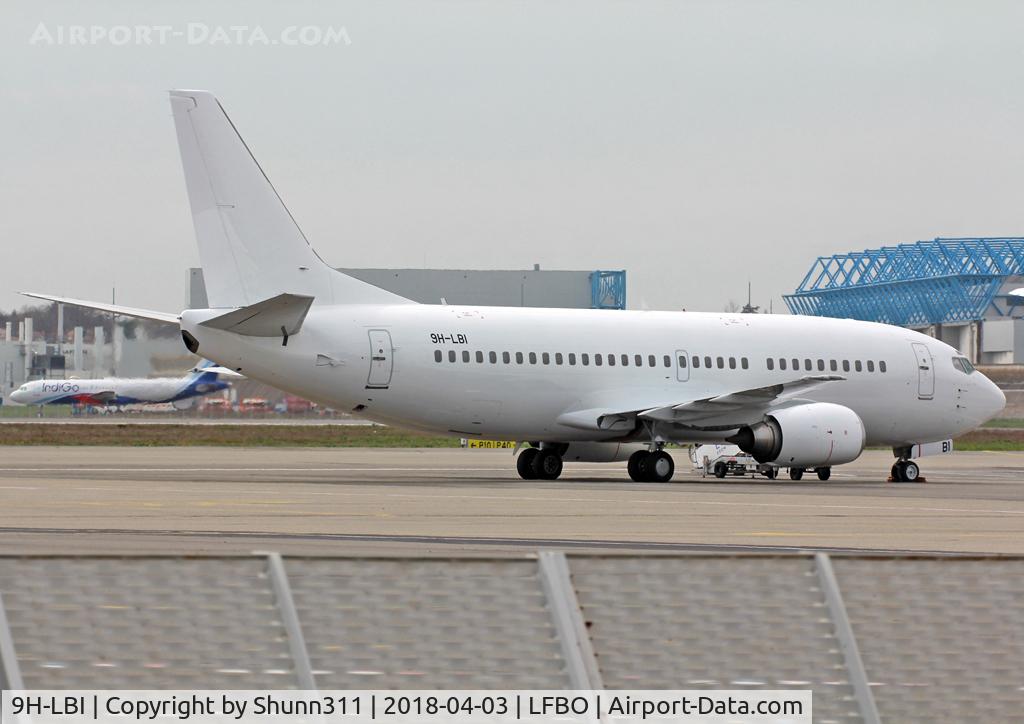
796 473
524 463
720 470
897 472
633 466
824 473
910 471
659 467
771 473
547 465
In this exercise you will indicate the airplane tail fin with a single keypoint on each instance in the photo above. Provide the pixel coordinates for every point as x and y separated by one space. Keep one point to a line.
250 247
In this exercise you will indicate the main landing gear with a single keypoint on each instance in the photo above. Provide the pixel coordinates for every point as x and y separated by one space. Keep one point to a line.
535 463
651 467
905 471
798 473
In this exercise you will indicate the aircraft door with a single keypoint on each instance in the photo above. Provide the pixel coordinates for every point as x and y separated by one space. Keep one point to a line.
925 371
682 365
381 359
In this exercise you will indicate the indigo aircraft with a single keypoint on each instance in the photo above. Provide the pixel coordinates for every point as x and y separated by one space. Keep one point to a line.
116 391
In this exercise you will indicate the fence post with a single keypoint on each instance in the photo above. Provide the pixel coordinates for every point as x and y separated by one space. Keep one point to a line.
568 621
847 641
10 671
286 604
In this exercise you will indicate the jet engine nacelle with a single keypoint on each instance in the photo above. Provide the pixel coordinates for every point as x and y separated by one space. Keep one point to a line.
600 452
818 434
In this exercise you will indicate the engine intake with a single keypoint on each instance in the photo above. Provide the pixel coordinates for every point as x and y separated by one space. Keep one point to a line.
816 434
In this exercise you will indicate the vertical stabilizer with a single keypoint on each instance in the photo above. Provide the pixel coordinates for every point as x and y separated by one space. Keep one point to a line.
250 246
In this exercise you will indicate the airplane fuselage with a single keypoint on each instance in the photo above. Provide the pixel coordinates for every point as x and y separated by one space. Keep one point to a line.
114 391
512 373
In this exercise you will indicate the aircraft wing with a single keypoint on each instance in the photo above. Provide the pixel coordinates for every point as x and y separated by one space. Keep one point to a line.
112 308
724 411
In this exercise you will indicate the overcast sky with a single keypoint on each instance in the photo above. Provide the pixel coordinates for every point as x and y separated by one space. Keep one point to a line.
695 144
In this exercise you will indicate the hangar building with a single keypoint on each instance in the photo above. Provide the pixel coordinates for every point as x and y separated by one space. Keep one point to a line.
482 287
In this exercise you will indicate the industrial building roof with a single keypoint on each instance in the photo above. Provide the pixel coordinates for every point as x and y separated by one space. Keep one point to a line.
919 284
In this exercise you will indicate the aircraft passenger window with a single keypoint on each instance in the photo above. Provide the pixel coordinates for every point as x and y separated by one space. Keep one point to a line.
807 365
546 358
651 362
493 357
771 363
611 360
881 366
639 360
437 355
585 358
744 363
451 355
796 364
558 358
821 365
625 360
572 358
479 358
465 355
696 361
871 366
667 361
506 357
832 365
782 363
846 365
732 363
682 360
533 358
707 361
519 358
598 360
857 365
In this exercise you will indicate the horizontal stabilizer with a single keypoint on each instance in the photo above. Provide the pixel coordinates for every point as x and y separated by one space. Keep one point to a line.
222 371
280 315
149 314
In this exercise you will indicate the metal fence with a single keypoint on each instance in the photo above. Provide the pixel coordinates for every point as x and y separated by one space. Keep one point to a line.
876 638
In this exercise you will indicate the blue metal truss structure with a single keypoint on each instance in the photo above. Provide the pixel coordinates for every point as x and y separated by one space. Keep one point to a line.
911 285
608 290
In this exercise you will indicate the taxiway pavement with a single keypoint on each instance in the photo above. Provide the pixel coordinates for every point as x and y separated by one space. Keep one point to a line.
59 500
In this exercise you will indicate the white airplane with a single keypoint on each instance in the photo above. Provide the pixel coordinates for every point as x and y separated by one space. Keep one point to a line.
178 391
805 393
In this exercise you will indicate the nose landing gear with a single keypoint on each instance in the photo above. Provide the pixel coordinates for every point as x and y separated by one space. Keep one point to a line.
905 471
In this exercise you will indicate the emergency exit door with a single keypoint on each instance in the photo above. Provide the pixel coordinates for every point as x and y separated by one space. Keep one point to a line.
925 373
381 359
